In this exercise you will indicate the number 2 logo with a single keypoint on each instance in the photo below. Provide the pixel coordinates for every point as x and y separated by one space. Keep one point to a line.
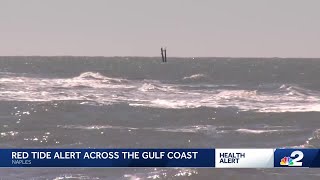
296 156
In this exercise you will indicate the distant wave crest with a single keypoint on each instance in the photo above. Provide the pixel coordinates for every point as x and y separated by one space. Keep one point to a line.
98 76
195 77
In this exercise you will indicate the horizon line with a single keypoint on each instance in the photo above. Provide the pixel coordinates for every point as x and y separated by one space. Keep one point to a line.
240 57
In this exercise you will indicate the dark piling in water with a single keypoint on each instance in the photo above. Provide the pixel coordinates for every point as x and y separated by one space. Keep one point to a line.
165 55
163 60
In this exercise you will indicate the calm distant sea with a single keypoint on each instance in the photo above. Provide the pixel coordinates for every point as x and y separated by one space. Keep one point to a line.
132 102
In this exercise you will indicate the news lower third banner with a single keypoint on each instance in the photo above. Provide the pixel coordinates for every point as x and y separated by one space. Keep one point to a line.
209 158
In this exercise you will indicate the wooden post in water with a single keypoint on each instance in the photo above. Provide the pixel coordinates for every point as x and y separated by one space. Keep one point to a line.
163 60
165 54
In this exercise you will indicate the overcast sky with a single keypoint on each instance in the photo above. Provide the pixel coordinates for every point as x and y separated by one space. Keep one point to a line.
233 28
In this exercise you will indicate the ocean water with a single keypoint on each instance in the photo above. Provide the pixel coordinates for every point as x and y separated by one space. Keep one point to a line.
138 102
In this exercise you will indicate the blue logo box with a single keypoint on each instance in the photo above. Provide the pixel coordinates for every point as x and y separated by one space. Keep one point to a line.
297 158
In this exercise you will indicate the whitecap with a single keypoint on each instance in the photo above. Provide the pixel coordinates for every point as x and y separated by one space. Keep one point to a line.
256 131
194 77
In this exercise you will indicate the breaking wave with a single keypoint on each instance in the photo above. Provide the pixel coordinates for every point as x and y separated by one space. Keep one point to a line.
96 89
195 77
98 76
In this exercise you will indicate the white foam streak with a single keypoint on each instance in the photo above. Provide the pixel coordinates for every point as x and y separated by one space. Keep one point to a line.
255 131
194 77
95 127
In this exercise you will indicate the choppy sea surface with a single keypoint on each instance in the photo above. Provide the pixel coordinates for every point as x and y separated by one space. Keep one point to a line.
138 102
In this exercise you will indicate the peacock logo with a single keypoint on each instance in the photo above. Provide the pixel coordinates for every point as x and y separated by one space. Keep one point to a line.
293 160
286 161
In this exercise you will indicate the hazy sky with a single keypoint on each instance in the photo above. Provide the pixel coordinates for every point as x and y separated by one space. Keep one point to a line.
246 28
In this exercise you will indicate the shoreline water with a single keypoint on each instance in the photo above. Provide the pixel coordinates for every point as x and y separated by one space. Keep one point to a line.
118 103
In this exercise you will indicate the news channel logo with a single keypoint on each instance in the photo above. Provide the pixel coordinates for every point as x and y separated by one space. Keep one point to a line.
294 159
297 158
